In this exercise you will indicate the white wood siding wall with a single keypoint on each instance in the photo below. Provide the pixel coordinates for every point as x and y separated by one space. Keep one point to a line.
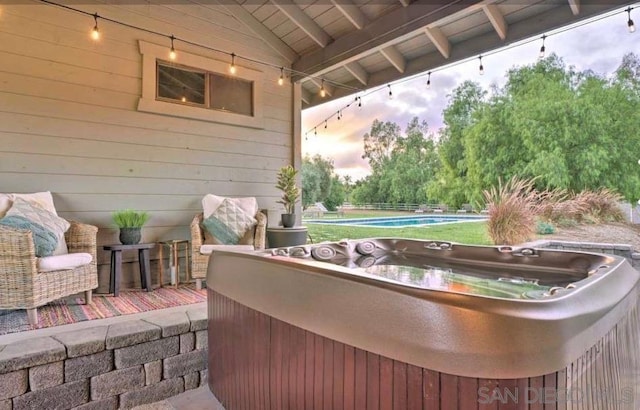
69 124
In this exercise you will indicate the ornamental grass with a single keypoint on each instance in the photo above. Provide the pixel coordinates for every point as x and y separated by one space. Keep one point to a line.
513 210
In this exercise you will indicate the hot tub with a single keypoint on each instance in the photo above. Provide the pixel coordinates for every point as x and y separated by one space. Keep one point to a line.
400 324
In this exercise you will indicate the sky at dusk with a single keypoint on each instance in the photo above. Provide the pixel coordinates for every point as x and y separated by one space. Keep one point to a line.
598 46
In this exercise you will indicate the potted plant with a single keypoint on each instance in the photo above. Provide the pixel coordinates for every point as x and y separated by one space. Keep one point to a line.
290 194
130 223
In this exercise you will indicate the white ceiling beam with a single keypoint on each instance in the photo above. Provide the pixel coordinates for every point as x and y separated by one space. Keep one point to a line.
549 20
273 41
306 95
441 41
302 20
396 26
395 58
358 72
497 19
575 6
351 12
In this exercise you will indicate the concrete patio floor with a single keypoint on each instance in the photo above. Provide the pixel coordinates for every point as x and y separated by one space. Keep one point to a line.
197 399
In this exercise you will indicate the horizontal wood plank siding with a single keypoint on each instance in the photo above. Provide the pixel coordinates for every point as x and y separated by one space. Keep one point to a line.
69 122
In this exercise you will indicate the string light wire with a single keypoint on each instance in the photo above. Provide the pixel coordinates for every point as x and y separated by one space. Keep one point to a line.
291 71
488 53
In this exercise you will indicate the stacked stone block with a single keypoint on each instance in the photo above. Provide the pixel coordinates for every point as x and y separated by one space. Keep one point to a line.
107 367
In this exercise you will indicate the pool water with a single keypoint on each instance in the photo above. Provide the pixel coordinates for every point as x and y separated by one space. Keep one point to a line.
445 279
402 221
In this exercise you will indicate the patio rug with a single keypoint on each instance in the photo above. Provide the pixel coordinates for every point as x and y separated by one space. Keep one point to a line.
73 309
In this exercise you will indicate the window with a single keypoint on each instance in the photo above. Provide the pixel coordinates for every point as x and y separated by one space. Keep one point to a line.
186 85
197 87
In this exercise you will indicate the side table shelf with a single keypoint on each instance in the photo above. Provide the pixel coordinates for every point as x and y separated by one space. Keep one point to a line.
174 246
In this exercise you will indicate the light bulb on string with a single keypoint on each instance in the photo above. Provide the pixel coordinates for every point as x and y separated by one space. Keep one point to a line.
429 80
95 33
172 52
542 49
315 131
281 79
339 115
630 25
232 67
323 93
481 68
359 102
325 124
390 93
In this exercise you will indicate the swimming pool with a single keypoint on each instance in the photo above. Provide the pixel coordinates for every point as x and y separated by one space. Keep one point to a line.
402 221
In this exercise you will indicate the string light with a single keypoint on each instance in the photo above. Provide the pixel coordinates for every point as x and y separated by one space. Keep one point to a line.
511 46
542 49
172 52
325 124
95 33
339 115
323 93
232 67
390 93
315 132
429 80
281 79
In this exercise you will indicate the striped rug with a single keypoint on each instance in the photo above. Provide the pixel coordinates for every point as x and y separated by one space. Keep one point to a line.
72 309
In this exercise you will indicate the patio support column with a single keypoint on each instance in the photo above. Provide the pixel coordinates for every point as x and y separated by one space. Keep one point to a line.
296 132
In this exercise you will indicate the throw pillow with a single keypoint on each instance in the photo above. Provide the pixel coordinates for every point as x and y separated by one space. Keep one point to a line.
211 202
228 223
44 240
38 215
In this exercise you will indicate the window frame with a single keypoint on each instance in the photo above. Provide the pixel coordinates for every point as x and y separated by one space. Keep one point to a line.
149 102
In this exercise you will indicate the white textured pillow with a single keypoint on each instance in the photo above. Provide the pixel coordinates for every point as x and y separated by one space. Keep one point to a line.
42 199
41 216
228 223
211 202
63 262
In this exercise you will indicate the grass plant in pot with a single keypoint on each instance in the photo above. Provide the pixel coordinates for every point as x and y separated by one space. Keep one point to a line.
130 223
290 194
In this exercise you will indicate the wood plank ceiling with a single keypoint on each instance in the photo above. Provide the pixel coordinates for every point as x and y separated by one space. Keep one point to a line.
359 44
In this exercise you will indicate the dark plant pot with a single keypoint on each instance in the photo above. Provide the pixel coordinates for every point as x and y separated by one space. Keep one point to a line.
288 220
130 236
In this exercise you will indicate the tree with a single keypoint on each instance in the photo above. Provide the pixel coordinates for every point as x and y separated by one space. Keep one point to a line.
318 182
379 142
450 184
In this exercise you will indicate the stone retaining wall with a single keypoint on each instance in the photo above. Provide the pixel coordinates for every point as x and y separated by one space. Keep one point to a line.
623 250
107 367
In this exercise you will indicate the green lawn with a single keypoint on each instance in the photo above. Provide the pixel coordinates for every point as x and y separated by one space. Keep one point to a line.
474 233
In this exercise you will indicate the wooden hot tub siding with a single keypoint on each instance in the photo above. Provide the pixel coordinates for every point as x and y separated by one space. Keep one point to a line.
258 362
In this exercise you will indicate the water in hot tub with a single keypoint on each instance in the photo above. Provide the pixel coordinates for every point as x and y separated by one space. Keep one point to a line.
437 278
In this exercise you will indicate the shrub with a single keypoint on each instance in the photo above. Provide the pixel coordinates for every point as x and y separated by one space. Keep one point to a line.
545 228
601 205
513 210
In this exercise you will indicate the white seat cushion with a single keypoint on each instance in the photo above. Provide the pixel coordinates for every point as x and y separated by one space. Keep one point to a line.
63 262
207 249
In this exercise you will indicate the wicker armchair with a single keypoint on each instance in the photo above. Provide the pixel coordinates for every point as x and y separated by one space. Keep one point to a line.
200 261
23 287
